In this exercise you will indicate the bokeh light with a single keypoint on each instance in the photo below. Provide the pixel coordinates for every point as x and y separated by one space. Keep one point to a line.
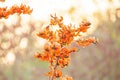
10 58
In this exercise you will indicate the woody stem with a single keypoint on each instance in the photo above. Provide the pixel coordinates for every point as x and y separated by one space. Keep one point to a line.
54 69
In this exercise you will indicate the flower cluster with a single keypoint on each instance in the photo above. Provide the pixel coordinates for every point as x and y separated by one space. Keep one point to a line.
2 0
5 12
86 42
56 51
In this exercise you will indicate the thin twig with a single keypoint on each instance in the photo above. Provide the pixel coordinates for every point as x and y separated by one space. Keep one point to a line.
52 78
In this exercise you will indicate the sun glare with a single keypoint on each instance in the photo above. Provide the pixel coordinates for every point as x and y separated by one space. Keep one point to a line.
8 59
23 43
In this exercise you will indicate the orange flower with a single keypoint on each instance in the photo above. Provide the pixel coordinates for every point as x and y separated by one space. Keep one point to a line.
86 42
64 62
26 10
55 20
49 73
47 48
2 0
44 57
4 12
57 73
72 50
47 34
64 53
84 26
15 9
66 35
37 55
55 49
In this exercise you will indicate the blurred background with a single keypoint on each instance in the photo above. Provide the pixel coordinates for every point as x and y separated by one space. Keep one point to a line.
18 41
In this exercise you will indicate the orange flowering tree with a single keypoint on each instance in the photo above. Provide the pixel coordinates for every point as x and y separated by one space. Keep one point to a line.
56 51
5 12
2 0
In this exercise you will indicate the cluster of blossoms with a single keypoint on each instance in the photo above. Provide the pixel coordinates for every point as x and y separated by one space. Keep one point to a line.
5 12
2 0
56 51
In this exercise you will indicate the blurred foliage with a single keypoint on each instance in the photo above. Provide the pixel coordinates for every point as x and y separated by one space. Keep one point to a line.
96 62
